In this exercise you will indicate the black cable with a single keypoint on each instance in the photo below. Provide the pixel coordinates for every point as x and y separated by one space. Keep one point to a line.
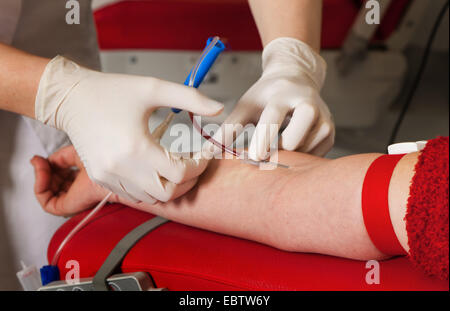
419 75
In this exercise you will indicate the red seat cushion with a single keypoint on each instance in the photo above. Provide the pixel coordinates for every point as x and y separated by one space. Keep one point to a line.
185 24
184 258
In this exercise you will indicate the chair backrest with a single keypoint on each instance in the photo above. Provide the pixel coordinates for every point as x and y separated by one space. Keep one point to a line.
184 24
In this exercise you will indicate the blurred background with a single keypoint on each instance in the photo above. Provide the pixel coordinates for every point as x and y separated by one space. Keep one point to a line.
371 69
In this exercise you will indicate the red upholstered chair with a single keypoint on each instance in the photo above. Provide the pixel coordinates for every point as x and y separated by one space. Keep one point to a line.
179 257
184 24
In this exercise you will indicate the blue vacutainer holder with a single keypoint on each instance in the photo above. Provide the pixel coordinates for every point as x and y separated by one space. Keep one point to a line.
205 65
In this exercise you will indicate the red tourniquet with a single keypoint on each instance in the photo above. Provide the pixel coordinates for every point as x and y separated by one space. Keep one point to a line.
426 218
375 205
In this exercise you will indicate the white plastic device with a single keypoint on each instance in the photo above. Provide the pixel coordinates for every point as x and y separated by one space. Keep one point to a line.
409 147
29 277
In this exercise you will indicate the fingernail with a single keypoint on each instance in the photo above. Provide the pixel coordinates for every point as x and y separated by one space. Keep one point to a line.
218 107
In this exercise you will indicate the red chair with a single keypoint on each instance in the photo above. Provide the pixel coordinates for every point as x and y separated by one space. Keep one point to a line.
179 257
184 24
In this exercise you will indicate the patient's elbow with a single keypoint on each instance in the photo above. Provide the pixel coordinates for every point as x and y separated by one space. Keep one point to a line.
284 243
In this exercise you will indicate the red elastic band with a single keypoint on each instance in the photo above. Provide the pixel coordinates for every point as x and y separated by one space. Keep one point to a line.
375 205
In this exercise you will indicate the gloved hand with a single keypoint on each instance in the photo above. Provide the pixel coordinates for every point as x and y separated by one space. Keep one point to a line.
293 75
106 117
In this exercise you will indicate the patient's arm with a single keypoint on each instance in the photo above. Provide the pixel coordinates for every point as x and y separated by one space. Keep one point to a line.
313 207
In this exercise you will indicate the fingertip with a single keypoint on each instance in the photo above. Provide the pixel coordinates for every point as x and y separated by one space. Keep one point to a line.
198 167
181 189
194 168
35 158
253 152
260 144
180 170
301 124
324 147
214 108
37 162
318 136
290 143
192 100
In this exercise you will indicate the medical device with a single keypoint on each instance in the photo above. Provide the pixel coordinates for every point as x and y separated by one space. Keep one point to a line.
137 281
209 55
29 277
78 227
213 49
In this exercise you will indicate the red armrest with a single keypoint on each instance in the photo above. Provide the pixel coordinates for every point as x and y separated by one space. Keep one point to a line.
184 258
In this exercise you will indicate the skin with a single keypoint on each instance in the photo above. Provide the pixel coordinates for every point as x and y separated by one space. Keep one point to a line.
299 19
285 208
20 75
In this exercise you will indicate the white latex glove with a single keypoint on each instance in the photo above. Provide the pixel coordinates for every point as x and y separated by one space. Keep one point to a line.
293 75
106 117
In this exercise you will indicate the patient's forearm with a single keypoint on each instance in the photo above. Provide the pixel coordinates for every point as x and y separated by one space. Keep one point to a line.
313 207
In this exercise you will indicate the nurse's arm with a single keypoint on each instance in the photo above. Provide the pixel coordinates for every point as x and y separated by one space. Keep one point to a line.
299 19
20 74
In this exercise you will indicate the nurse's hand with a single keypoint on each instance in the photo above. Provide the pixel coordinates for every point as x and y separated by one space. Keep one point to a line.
106 117
293 75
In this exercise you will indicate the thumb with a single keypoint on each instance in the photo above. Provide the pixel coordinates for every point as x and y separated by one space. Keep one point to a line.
66 157
182 97
203 106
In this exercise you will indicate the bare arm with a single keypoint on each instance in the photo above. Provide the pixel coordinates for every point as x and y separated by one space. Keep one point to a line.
19 75
313 207
299 19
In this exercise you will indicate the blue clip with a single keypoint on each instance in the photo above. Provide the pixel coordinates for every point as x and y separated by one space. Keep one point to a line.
205 65
49 274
